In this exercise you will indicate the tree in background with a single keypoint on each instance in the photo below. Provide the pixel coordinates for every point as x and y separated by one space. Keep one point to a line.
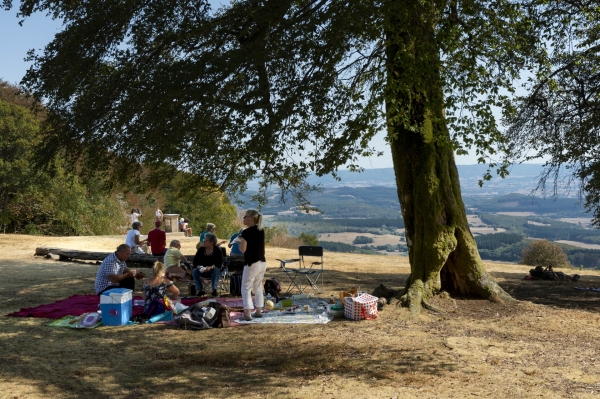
278 89
558 119
545 253
19 130
362 240
34 201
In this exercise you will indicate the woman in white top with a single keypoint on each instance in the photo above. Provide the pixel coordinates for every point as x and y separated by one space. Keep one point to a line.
159 214
135 215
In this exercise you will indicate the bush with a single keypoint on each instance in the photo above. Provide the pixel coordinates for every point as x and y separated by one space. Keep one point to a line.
274 231
309 239
286 241
363 240
545 253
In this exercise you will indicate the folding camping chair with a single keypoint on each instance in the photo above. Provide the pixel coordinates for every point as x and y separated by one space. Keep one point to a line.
223 280
308 274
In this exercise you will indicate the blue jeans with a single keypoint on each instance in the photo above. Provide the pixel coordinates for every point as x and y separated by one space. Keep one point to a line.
213 275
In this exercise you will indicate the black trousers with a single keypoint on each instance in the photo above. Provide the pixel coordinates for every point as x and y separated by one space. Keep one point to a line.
128 283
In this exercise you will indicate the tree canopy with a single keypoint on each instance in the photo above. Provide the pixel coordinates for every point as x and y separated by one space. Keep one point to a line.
276 88
558 117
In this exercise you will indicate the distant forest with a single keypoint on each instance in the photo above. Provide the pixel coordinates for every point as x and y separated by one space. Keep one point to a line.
342 206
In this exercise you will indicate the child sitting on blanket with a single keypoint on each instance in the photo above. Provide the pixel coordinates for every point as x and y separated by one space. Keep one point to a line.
155 289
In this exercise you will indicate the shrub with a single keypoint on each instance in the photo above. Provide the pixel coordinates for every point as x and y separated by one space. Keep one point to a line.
273 231
363 240
545 253
309 239
284 240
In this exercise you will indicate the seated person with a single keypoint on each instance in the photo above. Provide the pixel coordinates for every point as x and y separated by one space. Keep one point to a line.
210 228
234 245
173 257
133 239
155 289
187 231
113 272
207 262
157 240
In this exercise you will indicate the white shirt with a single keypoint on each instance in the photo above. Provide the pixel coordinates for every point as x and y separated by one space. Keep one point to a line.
134 217
130 239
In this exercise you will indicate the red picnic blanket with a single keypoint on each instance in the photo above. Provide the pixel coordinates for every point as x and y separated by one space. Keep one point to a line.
78 304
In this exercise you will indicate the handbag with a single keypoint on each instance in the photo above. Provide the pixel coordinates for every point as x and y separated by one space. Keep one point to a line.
222 318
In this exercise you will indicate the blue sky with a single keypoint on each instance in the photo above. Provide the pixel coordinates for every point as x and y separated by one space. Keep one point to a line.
39 30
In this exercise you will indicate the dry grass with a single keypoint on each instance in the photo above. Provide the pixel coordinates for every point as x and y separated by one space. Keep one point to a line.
545 345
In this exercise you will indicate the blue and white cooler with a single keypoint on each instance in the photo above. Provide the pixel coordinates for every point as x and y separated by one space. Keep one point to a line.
116 305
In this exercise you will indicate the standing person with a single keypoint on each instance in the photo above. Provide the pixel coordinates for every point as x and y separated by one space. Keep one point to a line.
207 262
234 245
113 272
157 240
135 215
158 215
155 289
252 244
133 239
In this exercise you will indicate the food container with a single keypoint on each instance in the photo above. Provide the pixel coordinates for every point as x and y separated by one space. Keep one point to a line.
286 303
337 311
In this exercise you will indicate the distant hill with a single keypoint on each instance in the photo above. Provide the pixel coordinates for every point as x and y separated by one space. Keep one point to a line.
373 194
522 179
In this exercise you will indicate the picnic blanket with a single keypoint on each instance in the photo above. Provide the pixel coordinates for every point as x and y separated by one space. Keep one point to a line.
65 322
78 304
304 311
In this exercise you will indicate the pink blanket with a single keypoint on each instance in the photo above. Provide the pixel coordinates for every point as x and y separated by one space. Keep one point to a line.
79 304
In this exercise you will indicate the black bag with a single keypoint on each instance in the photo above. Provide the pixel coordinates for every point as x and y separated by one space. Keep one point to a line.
273 287
235 285
537 273
191 320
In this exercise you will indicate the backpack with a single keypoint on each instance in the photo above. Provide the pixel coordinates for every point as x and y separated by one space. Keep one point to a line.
273 287
156 306
222 318
537 273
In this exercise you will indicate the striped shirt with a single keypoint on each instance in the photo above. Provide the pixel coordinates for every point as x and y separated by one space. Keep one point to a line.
110 265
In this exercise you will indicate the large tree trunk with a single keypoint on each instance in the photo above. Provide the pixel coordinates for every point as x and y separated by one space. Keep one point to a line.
442 251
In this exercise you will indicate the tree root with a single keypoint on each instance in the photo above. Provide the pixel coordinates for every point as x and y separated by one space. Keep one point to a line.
432 308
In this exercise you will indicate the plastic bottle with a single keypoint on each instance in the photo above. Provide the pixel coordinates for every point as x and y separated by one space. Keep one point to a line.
269 297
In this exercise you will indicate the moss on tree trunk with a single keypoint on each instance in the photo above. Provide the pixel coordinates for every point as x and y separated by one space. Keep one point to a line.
442 251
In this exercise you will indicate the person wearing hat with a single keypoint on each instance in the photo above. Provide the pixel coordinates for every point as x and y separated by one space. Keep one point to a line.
157 240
